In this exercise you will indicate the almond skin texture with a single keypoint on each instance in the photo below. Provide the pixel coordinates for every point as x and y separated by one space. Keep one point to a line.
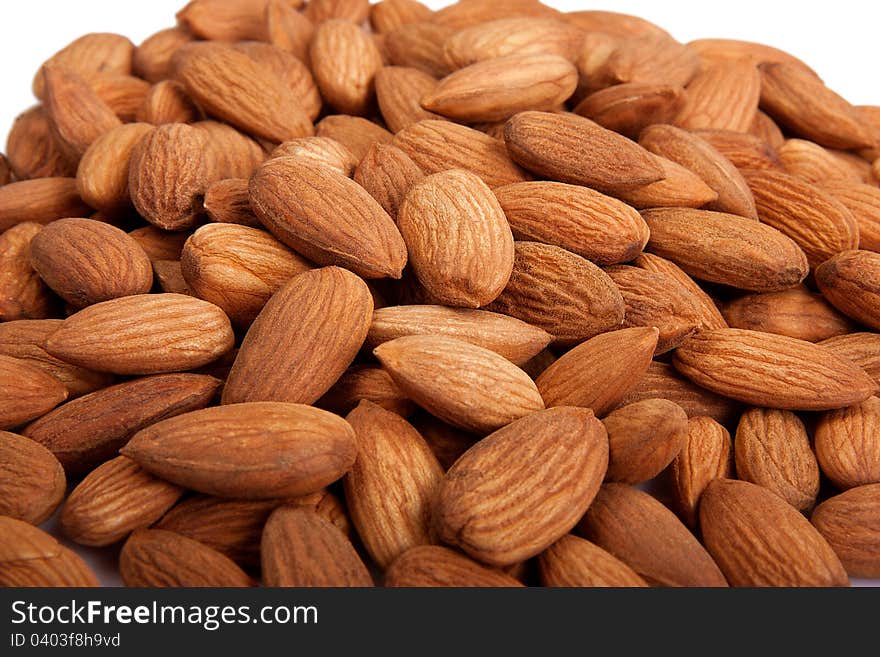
647 537
517 341
345 61
114 500
460 244
228 202
391 488
23 294
156 558
773 450
679 187
644 438
632 107
388 15
238 268
87 431
301 549
91 53
848 444
496 89
546 467
710 246
863 201
707 455
744 151
363 382
168 102
303 340
399 90
575 150
772 371
143 334
560 292
849 522
722 96
32 482
650 58
32 151
760 540
26 392
433 566
598 373
419 45
262 106
31 558
574 562
302 203
159 244
437 146
849 281
260 450
468 386
320 150
863 349
597 227
39 201
87 262
388 174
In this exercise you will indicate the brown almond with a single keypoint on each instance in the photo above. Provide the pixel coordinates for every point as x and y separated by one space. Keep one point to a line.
40 201
228 202
722 96
781 372
388 15
356 133
679 188
152 58
630 108
767 130
288 29
299 548
760 540
574 562
168 102
354 11
850 282
847 444
849 522
160 244
614 23
345 61
232 153
447 442
707 455
419 45
32 558
223 20
744 151
863 202
91 53
32 150
26 392
647 537
597 227
399 91
388 174
286 355
169 277
863 349
712 50
433 566
363 382
32 482
466 385
23 294
813 163
487 494
302 204
320 150
123 94
652 58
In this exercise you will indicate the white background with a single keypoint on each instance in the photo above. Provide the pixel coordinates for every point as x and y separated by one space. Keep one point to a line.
838 39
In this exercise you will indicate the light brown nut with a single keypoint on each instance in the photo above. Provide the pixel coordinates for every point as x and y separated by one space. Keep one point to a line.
388 15
32 481
863 349
863 201
320 150
32 558
287 356
419 45
228 202
23 294
143 334
462 15
160 244
773 450
26 392
707 455
168 102
289 29
760 540
813 163
91 53
223 20
712 50
364 382
847 443
598 373
647 537
560 292
850 282
767 130
345 61
850 522
550 478
356 133
433 566
123 94
388 174
614 23
632 107
744 151
232 153
299 548
40 201
152 58
399 91
722 96
32 151
574 562
355 11
772 371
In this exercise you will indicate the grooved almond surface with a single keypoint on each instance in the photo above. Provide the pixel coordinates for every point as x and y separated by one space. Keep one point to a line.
850 522
863 349
707 455
388 174
30 557
362 382
722 96
465 385
847 443
26 392
521 489
32 482
40 201
432 566
23 294
574 562
399 91
849 281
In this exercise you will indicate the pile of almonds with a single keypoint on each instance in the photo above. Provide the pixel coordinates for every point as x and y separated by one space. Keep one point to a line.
495 295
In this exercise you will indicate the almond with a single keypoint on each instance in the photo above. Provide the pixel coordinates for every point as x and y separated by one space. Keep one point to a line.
572 149
320 150
32 151
419 45
39 201
744 151
91 53
465 385
115 499
647 537
507 336
459 242
433 566
760 540
26 392
560 292
722 96
286 355
390 490
813 163
159 244
709 246
650 58
614 23
766 129
228 202
598 373
712 50
32 482
356 133
232 153
849 523
123 94
23 294
707 454
466 14
847 444
363 382
588 223
143 334
388 15
447 443
156 558
437 146
302 203
168 102
223 20
152 59
236 451
87 262
500 481
345 61
355 11
863 349
289 29
772 371
630 108
32 558
574 562
773 450
87 431
388 174
399 91
849 282
863 202
301 549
